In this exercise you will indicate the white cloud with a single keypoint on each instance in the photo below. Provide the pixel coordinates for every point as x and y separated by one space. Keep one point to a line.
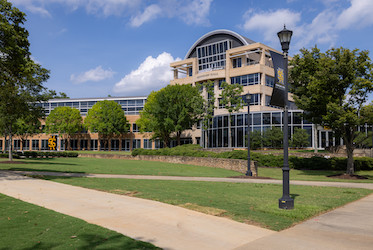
359 14
270 22
152 74
138 11
151 12
323 29
95 75
190 12
99 7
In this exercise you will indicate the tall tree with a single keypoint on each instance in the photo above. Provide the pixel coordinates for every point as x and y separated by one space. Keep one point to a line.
27 126
171 110
332 88
232 101
107 119
65 121
208 108
21 79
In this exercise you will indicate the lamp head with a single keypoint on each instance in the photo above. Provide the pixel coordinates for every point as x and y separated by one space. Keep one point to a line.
285 37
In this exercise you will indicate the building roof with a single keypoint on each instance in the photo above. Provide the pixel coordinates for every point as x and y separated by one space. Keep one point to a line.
217 35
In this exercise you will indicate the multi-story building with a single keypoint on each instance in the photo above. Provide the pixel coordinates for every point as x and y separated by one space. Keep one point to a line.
85 140
225 56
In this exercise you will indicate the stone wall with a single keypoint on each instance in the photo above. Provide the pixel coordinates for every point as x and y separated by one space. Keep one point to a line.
230 164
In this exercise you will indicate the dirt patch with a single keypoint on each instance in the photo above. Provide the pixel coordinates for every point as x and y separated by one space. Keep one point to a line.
124 192
348 176
206 210
251 177
12 162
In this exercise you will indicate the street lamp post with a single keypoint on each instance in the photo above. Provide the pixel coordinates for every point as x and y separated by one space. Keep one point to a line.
248 173
285 202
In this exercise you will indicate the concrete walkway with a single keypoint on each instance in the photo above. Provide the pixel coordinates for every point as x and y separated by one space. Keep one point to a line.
171 227
348 227
213 179
166 226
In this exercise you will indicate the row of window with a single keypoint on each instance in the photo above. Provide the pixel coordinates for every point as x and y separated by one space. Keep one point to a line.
212 56
254 100
130 107
246 80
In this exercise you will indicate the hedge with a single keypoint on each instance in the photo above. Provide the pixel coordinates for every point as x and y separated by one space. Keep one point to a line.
268 160
36 154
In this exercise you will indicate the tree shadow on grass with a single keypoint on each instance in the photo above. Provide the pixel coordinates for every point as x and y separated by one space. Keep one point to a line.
293 196
93 241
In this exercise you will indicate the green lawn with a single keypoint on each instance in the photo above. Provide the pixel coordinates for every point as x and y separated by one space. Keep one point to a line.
312 175
27 226
251 203
102 152
116 166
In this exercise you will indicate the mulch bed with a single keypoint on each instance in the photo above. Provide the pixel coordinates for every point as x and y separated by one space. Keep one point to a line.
251 177
12 162
348 176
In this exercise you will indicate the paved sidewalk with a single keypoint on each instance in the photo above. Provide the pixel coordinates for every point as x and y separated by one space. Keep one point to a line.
166 226
171 227
214 179
348 227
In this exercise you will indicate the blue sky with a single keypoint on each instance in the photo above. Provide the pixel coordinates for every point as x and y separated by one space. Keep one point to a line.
96 48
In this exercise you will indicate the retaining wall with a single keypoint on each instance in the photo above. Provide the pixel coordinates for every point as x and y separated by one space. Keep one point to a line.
230 164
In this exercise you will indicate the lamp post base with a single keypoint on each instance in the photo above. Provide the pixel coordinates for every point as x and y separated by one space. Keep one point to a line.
286 203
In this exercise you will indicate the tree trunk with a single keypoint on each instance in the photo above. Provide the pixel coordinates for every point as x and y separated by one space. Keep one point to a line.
350 158
178 135
10 147
316 141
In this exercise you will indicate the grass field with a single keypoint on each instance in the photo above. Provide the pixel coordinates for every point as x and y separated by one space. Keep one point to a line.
251 203
26 226
312 175
116 166
131 167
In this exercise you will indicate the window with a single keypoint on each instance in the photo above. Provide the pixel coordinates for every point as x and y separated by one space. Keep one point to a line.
126 145
135 128
220 83
17 144
254 99
212 56
236 62
136 143
147 144
114 144
26 145
158 144
190 71
44 145
270 81
94 144
221 105
83 144
246 80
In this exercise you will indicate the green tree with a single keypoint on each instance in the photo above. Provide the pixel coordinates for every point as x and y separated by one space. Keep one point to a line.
27 126
300 138
232 101
172 109
208 108
332 88
256 139
65 121
21 79
107 119
273 137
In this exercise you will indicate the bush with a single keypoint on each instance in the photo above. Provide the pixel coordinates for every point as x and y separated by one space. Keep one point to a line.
268 160
35 154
